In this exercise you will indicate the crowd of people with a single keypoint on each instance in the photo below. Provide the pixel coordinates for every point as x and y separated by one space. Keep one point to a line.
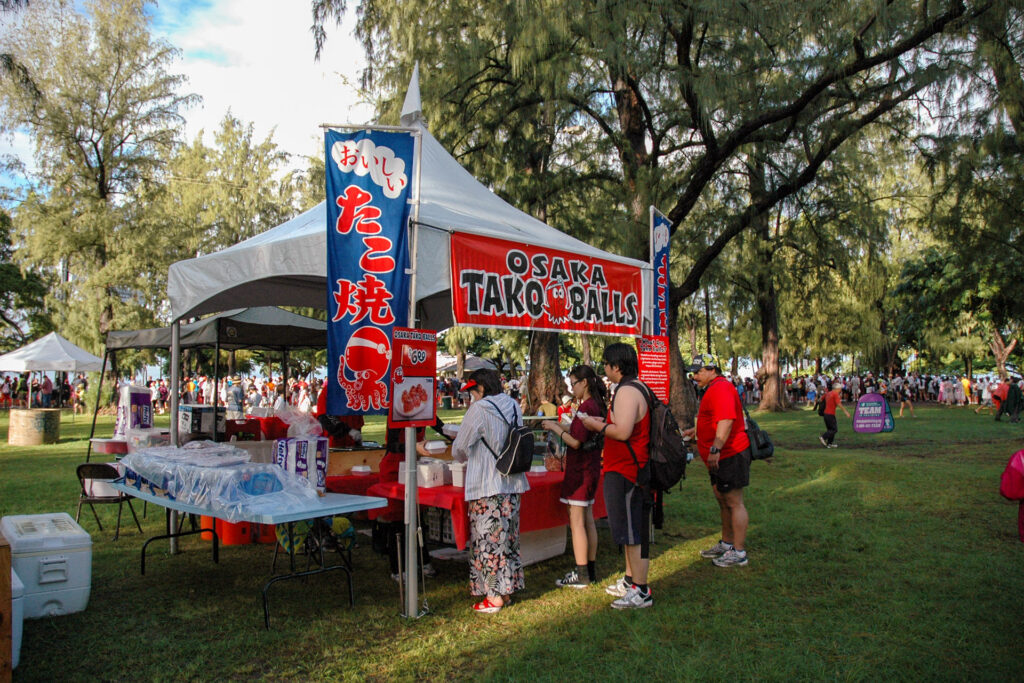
29 390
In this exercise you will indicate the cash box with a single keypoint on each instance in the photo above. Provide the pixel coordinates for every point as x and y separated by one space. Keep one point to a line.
52 555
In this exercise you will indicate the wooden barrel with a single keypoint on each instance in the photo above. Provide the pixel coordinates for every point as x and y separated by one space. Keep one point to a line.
33 426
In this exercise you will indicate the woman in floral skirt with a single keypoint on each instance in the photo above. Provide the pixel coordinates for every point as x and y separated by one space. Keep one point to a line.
496 568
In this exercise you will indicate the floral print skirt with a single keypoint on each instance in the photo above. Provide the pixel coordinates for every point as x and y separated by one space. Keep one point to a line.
496 567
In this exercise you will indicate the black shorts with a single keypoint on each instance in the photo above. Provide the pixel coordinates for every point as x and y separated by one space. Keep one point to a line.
733 473
629 512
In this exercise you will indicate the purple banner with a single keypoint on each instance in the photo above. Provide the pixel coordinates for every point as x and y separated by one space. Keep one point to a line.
659 248
872 415
368 186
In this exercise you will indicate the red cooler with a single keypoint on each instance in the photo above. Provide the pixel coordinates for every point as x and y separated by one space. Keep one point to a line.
239 533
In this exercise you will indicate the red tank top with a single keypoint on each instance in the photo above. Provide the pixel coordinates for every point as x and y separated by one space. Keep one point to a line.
617 457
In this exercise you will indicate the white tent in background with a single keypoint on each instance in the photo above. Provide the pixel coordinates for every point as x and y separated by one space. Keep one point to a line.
50 353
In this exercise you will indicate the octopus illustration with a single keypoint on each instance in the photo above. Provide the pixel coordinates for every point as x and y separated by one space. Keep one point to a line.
367 356
557 303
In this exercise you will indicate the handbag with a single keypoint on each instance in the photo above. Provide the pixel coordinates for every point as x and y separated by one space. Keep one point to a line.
761 446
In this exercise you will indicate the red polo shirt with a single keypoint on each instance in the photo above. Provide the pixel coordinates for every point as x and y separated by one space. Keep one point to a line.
721 402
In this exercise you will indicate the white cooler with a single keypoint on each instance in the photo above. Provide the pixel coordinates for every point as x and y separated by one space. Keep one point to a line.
17 616
53 558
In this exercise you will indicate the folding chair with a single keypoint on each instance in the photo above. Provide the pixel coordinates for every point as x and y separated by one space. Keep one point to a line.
92 473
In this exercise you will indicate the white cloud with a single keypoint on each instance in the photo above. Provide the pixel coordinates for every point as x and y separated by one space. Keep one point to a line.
255 57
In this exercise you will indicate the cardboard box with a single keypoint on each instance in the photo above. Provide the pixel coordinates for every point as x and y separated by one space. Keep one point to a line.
134 409
199 418
52 556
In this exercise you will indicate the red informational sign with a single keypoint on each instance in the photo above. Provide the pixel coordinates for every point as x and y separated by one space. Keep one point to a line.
497 283
652 356
414 403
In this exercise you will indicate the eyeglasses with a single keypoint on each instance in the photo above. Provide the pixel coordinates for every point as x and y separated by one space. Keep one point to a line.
577 382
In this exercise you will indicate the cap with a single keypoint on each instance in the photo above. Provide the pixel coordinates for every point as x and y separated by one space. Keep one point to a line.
706 361
468 385
567 399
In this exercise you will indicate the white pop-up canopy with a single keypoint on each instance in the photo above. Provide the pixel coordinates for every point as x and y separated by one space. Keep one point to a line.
52 352
287 265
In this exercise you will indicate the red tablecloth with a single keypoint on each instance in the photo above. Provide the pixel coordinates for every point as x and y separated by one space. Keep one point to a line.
539 509
355 484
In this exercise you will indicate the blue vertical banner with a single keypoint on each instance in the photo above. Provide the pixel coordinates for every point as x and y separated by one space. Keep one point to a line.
660 225
368 187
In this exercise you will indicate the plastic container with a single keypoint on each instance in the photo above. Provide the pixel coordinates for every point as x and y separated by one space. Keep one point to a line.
52 555
207 523
430 474
458 473
237 533
435 447
17 616
361 469
264 533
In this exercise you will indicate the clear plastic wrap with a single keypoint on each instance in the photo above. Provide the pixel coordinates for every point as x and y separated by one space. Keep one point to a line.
219 477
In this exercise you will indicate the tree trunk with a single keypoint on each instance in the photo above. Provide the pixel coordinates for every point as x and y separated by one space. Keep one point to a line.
773 396
682 398
969 367
817 365
545 379
460 365
1001 352
691 334
585 343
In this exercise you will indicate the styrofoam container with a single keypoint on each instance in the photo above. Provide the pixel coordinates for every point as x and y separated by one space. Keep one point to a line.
458 470
17 616
360 469
435 447
430 474
52 555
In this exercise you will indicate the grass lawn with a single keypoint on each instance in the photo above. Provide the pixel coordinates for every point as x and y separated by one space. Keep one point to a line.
890 557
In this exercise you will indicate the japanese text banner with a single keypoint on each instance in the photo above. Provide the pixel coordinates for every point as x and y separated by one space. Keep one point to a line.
368 182
498 283
659 248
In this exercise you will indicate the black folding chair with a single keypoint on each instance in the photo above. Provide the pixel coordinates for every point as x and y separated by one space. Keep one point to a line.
88 474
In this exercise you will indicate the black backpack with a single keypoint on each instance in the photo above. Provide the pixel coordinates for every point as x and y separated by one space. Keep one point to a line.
821 405
516 454
666 463
761 446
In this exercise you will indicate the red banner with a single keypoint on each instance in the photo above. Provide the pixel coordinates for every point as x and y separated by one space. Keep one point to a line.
497 283
414 403
652 356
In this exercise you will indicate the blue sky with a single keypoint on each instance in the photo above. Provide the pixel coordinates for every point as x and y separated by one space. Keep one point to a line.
256 58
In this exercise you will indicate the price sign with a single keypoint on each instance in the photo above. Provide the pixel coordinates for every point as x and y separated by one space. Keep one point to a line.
413 397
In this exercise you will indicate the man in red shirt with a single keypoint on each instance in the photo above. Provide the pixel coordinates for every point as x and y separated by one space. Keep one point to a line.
832 401
627 498
724 447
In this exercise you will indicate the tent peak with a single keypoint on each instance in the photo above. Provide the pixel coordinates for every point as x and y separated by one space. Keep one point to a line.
412 108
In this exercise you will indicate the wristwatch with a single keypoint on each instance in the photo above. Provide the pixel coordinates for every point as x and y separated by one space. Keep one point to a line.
715 450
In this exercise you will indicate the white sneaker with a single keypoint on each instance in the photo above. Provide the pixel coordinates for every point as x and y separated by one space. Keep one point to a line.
732 558
717 550
833 445
619 588
634 599
823 442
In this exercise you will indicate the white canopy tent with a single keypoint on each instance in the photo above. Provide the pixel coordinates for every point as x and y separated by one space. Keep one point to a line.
52 352
287 266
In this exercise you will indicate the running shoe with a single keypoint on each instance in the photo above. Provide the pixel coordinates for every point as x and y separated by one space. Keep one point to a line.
833 445
572 579
634 599
731 558
717 550
823 442
619 588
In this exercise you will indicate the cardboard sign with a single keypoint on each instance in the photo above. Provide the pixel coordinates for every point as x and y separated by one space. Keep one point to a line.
368 183
414 402
511 285
652 357
873 415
